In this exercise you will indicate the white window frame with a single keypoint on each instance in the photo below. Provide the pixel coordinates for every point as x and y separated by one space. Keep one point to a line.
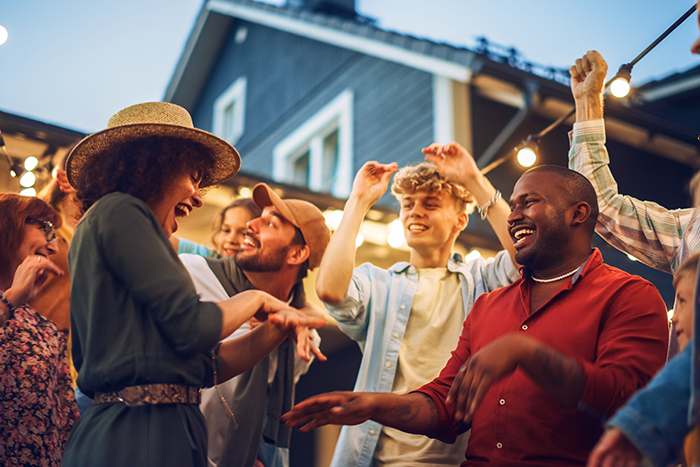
337 114
234 95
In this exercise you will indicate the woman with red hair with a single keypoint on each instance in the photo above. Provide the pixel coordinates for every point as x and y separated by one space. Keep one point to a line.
37 404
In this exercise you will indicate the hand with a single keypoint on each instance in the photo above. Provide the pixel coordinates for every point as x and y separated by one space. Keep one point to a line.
62 181
454 162
297 325
486 367
268 305
588 76
29 276
614 449
372 181
334 408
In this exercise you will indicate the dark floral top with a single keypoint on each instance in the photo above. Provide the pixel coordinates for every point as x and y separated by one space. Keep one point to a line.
37 403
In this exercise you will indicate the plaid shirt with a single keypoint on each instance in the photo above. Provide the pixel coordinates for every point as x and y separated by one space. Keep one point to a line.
659 237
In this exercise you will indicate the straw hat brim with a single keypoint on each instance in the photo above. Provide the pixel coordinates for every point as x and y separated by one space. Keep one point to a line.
227 161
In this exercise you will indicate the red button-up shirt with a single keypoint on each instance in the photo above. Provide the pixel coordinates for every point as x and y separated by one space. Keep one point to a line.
612 323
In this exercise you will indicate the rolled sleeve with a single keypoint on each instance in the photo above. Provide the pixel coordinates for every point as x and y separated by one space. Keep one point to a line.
351 312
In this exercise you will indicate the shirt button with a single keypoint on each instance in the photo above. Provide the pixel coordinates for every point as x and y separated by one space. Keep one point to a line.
502 402
403 307
396 335
388 365
524 327
499 445
372 432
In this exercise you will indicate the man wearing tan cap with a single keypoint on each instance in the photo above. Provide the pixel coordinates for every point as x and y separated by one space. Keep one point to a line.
280 247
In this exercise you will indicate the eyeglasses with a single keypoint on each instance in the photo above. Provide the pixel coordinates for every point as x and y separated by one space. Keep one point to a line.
46 226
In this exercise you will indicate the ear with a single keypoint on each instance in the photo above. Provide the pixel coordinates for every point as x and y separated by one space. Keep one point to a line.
581 211
297 254
462 221
62 180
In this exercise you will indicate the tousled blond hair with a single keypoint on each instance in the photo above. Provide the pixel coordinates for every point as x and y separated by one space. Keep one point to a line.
425 176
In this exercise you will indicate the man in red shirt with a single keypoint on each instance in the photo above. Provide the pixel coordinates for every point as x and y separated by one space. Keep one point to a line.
541 363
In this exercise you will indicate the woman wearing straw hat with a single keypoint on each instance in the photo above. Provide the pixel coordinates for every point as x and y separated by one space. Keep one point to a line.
143 343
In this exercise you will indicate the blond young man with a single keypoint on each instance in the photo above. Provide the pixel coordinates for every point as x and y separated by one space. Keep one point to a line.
408 319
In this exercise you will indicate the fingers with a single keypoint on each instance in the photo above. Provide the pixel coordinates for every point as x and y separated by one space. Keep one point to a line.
460 388
452 394
47 265
480 385
435 149
376 169
317 351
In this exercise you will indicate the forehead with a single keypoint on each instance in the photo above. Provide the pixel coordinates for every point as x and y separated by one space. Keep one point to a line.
422 194
539 183
237 214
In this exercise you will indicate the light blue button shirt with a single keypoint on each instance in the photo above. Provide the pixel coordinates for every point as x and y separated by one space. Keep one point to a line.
375 312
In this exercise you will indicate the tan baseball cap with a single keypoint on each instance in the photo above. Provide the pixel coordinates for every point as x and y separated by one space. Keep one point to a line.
302 214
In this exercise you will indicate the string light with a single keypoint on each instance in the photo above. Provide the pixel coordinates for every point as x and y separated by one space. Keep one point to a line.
395 237
27 180
527 155
622 86
30 163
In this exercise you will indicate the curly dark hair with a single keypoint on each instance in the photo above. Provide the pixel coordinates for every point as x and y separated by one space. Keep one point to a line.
141 168
14 211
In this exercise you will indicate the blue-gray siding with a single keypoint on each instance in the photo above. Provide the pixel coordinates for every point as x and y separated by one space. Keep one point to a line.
290 78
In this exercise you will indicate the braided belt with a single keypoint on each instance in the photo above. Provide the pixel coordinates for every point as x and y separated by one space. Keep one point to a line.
148 394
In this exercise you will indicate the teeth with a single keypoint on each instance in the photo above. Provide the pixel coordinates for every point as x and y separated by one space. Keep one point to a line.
182 210
523 232
417 228
248 241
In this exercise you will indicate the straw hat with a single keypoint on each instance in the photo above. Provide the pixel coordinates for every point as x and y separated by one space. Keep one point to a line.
154 119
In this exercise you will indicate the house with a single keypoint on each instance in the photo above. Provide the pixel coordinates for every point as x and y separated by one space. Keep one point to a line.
311 90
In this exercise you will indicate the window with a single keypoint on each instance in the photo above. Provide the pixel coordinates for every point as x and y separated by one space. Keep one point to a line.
318 154
229 112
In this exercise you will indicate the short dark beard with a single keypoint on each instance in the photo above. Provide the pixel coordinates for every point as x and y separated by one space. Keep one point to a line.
257 263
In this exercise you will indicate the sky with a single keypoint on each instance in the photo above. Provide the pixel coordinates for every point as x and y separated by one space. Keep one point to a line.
74 63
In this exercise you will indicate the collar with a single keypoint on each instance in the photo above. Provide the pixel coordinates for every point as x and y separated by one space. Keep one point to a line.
402 267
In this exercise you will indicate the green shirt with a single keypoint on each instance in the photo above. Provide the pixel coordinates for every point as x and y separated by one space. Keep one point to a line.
135 315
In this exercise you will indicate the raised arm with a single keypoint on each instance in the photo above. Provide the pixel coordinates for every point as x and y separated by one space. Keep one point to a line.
457 165
587 83
650 232
338 262
412 413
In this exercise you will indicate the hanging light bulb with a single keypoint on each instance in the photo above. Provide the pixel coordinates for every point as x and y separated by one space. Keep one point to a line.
333 218
30 163
28 192
27 180
395 238
527 156
245 192
527 151
620 85
359 240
